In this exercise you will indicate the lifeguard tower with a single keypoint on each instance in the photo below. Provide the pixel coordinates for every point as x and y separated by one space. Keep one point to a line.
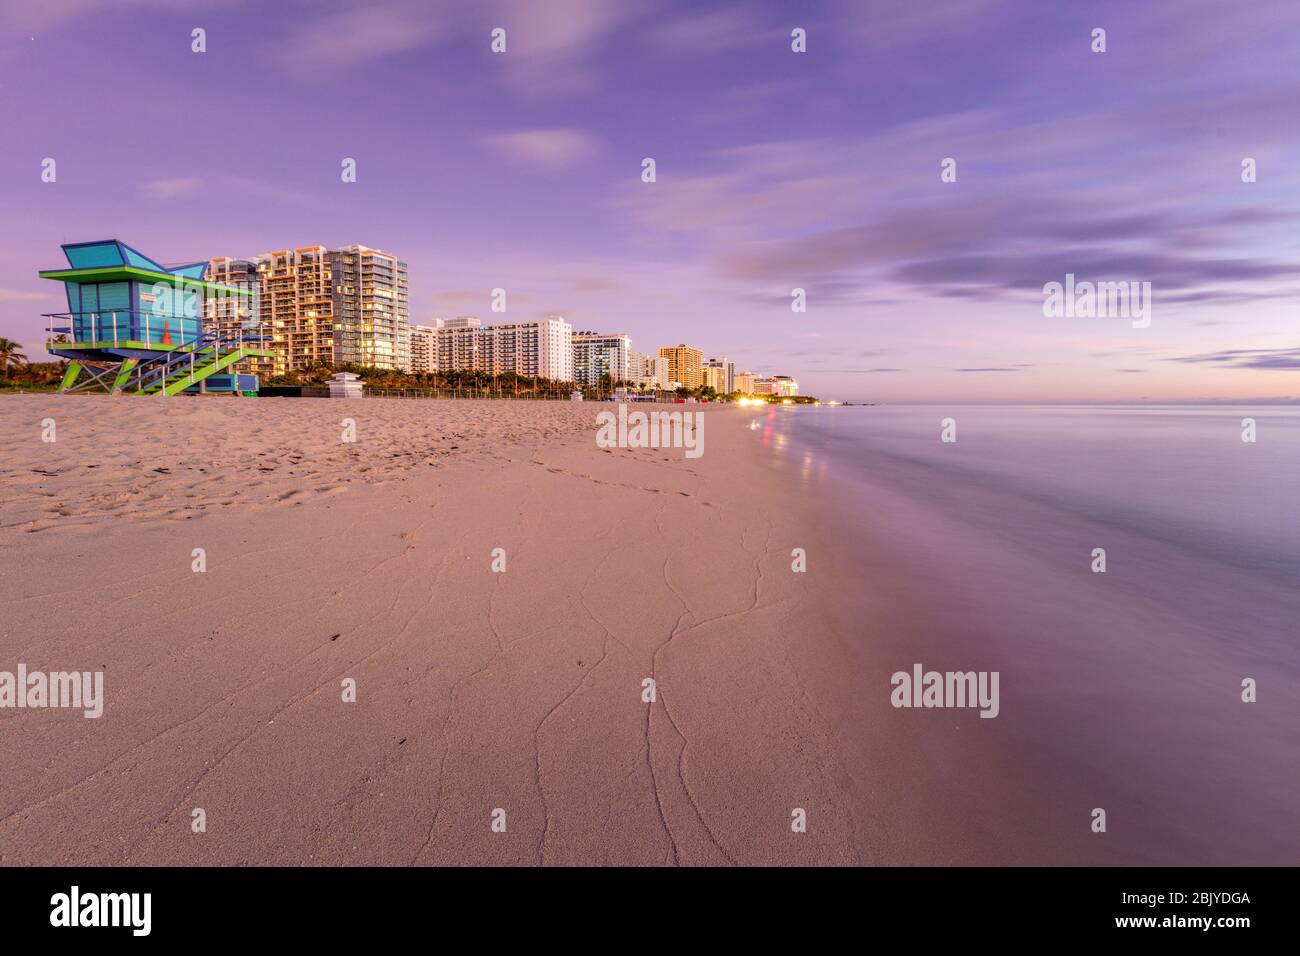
136 326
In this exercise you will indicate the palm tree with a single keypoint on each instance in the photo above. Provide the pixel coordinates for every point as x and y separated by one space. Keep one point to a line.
9 355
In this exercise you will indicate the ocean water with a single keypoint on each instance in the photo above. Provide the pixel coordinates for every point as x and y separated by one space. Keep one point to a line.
1178 474
1121 690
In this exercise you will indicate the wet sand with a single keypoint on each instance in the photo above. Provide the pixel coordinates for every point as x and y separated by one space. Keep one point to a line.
1120 691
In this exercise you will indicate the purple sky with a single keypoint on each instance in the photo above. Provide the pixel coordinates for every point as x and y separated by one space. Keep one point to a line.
775 170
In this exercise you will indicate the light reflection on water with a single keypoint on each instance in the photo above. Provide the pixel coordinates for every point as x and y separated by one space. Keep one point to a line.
1177 472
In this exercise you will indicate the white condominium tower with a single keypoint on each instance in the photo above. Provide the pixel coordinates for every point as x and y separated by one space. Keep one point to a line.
424 348
371 309
596 354
537 349
656 372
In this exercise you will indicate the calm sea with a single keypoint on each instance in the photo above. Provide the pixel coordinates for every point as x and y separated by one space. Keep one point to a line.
1125 690
1175 473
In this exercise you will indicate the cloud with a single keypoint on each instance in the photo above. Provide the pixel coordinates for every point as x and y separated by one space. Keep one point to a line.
1000 244
176 188
1284 359
327 40
553 148
986 370
227 183
1029 271
20 295
51 13
460 295
857 371
713 31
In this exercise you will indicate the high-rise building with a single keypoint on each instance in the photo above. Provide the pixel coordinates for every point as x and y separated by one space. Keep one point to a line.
744 383
370 306
336 306
458 344
596 354
656 372
727 378
538 349
780 385
424 348
635 367
714 378
685 364
230 314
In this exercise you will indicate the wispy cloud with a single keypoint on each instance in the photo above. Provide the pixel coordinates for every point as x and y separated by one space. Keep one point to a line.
712 31
21 295
176 188
552 148
51 13
858 371
230 184
554 45
349 35
1278 359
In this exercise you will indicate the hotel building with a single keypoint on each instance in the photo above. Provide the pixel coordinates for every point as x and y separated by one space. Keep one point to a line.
714 378
635 367
782 386
230 314
744 383
656 372
337 306
596 354
785 386
539 349
424 348
685 365
371 306
727 378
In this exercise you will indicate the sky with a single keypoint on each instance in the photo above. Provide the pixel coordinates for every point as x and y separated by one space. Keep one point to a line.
775 170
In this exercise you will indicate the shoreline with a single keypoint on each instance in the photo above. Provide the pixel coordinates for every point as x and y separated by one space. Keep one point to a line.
523 690
1119 691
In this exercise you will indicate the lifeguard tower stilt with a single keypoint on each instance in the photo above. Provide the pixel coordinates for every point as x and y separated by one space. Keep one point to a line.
135 326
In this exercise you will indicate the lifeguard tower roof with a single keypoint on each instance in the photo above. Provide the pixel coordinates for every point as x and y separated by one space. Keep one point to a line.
111 260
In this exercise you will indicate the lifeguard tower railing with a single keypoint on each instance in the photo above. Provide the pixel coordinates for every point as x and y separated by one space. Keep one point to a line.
118 329
125 351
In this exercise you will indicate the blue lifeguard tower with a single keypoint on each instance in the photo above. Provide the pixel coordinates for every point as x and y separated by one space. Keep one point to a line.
136 326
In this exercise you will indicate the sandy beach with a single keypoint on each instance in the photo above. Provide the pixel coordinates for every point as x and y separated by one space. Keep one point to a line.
519 695
476 691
